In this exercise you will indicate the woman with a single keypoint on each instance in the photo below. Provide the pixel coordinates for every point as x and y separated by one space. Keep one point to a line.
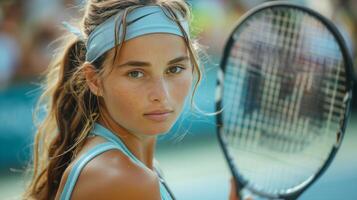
121 83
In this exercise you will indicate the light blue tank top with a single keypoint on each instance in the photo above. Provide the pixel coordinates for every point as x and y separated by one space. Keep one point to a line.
113 143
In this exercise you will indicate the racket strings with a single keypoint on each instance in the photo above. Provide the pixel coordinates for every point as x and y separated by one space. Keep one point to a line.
283 93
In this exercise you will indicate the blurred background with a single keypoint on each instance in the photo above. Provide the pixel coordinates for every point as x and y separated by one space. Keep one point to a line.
190 155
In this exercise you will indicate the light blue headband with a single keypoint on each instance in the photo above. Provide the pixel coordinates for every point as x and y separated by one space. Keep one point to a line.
140 21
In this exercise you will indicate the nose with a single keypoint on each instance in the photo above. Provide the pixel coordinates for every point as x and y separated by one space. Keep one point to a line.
158 91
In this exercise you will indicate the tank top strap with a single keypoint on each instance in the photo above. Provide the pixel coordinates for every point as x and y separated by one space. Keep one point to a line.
100 130
79 165
166 193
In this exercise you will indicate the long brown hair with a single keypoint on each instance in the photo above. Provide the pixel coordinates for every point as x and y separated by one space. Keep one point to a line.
71 109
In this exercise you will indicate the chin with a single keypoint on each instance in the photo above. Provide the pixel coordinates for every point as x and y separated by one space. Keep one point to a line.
158 129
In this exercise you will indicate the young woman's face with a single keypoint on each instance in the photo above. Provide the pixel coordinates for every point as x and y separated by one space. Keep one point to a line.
145 91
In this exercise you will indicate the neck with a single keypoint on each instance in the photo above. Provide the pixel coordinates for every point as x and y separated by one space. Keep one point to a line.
143 147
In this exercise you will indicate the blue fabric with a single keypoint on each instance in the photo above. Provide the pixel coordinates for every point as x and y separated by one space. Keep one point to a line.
113 143
77 168
140 21
105 133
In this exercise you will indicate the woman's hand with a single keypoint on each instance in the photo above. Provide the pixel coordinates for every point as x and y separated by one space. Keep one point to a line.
233 192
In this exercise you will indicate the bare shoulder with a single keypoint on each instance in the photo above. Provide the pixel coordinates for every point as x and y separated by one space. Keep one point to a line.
112 175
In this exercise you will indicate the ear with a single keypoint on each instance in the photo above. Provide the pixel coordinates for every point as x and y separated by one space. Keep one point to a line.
92 78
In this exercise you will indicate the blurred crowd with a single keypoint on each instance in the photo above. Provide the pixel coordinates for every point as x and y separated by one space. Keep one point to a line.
27 28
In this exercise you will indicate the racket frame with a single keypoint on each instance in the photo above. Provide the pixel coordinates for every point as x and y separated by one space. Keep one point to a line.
241 182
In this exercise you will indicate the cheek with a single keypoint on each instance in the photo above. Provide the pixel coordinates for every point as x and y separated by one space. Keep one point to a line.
123 100
181 89
120 101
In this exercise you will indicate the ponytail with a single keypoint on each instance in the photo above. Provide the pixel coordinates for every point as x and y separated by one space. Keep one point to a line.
71 111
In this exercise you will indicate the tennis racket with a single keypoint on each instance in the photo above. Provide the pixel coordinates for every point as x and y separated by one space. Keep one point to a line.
283 96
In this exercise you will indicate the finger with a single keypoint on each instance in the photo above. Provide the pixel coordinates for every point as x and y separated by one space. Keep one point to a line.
233 195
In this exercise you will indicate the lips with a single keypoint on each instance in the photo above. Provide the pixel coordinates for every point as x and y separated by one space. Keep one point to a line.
155 112
158 115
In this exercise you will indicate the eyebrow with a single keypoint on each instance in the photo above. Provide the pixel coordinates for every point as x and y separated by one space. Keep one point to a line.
147 64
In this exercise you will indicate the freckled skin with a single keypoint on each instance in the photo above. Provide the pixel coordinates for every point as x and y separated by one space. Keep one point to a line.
126 94
127 99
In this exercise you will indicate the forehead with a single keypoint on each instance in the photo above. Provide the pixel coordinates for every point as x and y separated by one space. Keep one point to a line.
152 47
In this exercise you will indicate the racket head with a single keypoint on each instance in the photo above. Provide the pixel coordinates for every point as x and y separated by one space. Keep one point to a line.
255 19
